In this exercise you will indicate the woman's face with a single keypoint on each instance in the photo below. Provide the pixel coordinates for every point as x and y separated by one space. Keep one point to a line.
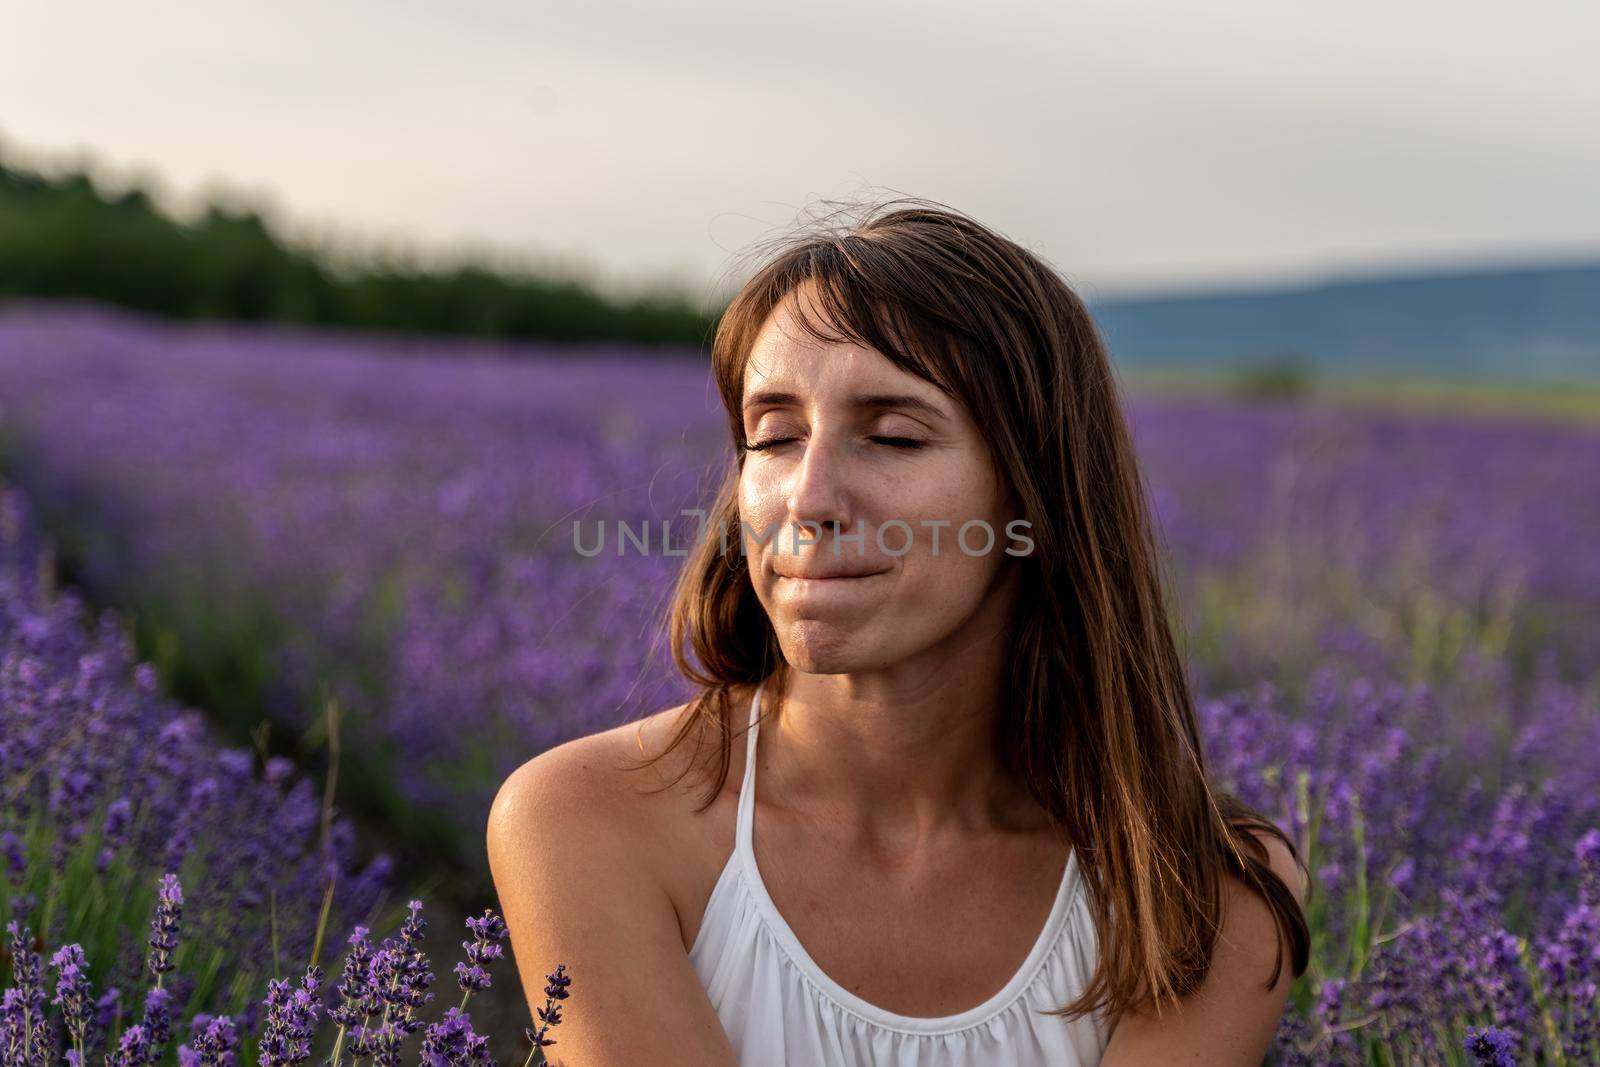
845 442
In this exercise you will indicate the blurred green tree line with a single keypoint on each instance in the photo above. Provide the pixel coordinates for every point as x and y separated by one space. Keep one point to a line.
63 237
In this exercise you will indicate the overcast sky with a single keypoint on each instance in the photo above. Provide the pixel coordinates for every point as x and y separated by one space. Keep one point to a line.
1134 144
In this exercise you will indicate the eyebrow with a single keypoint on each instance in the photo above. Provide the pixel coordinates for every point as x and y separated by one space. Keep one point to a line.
865 401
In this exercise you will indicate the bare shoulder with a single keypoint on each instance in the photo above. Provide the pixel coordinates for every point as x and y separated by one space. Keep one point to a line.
1250 926
1283 863
1232 1017
580 854
592 781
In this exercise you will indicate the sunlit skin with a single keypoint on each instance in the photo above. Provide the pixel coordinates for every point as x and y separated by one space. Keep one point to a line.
914 871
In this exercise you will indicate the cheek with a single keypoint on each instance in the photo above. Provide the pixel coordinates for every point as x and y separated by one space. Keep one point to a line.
959 496
761 506
757 494
953 575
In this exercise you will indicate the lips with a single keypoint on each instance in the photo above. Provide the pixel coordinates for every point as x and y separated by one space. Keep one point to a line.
827 575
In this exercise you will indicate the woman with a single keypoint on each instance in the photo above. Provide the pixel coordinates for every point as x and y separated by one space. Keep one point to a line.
986 835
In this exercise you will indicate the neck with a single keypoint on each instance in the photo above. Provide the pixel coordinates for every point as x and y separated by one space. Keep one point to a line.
903 756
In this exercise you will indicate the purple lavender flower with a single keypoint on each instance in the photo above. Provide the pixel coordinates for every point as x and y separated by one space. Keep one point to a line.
108 1010
353 987
291 1019
157 1021
397 981
73 993
213 1044
413 926
133 1050
16 859
118 813
555 991
408 967
488 931
164 927
358 1000
25 970
13 1027
37 1040
451 1042
1493 1046
383 1042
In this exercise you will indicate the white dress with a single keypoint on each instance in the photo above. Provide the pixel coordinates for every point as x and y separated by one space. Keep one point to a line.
778 1007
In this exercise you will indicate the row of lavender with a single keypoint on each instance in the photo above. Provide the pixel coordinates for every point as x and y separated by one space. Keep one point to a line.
103 784
1415 588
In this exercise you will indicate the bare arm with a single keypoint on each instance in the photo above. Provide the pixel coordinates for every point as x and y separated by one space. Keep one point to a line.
1231 1019
574 890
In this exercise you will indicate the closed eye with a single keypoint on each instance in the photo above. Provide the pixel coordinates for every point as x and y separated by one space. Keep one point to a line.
761 446
907 443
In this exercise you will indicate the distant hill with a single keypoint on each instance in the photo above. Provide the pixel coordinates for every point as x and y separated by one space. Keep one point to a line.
1537 323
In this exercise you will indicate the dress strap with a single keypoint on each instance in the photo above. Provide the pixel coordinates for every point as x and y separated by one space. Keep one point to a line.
745 837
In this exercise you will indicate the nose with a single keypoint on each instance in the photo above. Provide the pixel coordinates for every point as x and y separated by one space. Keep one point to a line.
819 490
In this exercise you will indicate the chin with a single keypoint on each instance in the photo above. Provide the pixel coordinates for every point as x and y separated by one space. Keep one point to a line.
816 647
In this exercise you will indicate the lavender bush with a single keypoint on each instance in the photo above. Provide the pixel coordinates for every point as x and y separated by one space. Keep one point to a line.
370 527
371 1012
103 783
1442 898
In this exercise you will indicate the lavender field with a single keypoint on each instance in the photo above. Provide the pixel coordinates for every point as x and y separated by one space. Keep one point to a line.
1393 621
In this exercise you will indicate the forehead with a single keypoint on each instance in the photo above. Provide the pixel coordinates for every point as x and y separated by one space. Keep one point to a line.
785 355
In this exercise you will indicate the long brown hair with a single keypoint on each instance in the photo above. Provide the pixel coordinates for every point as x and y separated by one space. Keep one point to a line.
1097 719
